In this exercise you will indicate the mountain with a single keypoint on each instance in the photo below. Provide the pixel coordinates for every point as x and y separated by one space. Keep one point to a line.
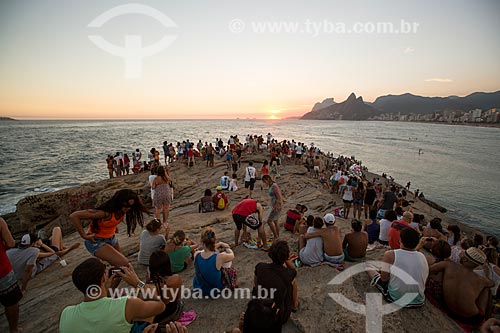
326 103
356 109
408 103
351 109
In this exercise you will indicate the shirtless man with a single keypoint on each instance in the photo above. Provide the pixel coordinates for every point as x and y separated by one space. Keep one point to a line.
332 240
317 164
466 294
355 242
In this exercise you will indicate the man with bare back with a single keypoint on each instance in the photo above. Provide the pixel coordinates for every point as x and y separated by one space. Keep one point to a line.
466 294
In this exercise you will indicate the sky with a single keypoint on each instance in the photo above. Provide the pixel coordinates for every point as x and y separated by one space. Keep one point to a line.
229 59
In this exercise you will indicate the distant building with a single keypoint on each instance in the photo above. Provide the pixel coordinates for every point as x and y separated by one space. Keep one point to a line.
476 114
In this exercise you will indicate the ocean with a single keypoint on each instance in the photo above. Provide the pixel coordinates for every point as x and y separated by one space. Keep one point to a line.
459 167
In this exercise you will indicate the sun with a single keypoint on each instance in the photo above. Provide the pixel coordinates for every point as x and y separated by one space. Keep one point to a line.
274 114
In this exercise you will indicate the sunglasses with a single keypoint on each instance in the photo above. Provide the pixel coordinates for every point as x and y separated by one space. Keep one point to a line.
126 205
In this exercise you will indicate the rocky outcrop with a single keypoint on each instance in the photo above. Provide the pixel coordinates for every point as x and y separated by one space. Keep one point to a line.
47 210
52 290
351 109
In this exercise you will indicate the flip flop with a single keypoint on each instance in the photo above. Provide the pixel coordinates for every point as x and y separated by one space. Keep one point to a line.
250 246
265 249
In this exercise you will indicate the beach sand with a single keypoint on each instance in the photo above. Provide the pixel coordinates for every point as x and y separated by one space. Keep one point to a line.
52 290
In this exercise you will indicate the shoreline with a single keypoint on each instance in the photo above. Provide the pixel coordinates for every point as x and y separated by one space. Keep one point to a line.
484 125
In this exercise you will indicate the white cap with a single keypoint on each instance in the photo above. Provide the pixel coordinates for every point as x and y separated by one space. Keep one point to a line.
26 240
329 218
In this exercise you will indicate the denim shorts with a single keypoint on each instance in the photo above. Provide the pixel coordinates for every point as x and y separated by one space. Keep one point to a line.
99 242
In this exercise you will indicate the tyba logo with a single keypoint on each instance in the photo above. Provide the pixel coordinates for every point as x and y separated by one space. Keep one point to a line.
132 52
373 309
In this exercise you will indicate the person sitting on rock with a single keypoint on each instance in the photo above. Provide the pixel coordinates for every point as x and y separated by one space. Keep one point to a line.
206 204
279 276
33 256
466 294
220 199
434 229
92 278
224 181
208 264
294 217
152 239
167 286
355 242
332 241
180 250
390 281
311 250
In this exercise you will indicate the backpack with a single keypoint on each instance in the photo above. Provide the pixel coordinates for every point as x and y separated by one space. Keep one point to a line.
221 204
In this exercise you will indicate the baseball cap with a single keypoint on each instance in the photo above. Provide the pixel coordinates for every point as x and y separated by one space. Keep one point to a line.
28 239
329 218
475 255
219 188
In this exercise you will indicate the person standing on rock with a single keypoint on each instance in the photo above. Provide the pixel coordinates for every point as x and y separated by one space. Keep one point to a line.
100 238
276 204
163 194
250 173
10 293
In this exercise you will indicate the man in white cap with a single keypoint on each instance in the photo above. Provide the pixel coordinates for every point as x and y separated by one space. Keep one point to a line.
466 294
33 256
332 240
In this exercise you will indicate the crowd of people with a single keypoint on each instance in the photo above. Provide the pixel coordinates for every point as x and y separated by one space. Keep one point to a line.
459 275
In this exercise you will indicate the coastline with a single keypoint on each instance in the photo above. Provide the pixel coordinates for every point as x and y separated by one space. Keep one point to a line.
485 125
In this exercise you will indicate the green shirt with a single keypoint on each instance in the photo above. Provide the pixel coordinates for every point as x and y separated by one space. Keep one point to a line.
104 315
178 257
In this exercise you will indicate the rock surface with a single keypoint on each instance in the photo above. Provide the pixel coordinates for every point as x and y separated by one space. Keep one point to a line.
52 290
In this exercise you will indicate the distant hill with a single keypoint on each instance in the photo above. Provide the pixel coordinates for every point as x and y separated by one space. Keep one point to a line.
351 109
356 109
7 118
408 103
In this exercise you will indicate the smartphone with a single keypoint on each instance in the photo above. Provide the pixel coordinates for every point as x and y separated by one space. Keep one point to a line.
114 271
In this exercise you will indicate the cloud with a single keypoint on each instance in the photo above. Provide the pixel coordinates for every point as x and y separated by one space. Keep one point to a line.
440 80
408 49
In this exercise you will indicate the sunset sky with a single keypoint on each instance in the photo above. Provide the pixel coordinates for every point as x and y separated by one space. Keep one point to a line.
230 59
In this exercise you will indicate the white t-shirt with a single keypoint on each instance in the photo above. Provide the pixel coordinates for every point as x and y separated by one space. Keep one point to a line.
232 185
312 253
415 265
224 182
348 193
385 226
151 180
249 173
